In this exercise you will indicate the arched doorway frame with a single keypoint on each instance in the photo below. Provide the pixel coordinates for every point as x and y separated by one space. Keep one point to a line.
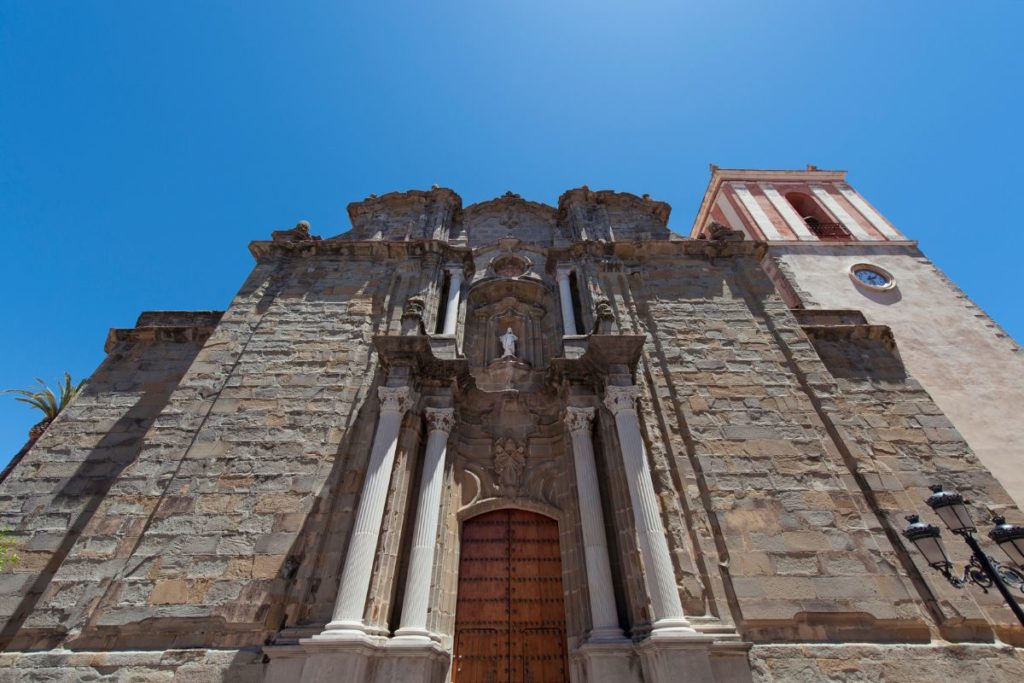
480 508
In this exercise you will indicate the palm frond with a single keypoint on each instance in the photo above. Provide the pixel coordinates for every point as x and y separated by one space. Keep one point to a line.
44 399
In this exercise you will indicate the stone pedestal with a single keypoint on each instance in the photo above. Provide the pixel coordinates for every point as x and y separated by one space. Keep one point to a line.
608 662
330 661
670 659
372 660
407 661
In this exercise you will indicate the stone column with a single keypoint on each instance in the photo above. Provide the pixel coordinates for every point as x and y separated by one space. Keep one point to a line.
424 536
666 608
347 622
568 316
603 614
451 311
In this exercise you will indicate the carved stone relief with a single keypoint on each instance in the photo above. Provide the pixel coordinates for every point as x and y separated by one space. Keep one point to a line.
509 464
510 446
509 265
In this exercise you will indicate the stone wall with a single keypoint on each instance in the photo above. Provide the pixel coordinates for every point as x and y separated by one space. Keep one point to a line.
965 361
819 663
50 498
784 442
190 512
153 666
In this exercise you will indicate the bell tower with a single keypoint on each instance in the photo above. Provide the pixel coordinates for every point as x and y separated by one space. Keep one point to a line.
791 206
834 257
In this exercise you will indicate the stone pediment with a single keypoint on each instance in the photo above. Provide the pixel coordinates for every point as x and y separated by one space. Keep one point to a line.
509 215
607 215
411 215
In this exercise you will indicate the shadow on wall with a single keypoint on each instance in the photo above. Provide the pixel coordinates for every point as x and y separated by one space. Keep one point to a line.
311 573
85 490
863 358
884 298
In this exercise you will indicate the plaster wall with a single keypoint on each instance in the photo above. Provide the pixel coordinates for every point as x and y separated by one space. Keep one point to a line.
968 364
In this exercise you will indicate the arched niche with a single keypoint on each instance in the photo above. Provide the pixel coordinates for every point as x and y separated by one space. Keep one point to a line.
496 304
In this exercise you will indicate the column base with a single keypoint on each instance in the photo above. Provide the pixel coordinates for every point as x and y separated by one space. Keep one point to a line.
607 635
675 628
415 635
345 631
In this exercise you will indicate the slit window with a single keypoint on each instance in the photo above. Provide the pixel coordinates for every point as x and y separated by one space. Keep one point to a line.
442 304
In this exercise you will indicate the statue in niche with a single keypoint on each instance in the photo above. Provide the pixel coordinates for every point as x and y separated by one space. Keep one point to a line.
603 316
412 317
510 462
508 344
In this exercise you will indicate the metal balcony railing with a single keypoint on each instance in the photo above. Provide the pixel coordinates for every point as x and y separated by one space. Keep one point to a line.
829 231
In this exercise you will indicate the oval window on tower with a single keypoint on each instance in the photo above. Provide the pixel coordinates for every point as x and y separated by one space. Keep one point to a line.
872 277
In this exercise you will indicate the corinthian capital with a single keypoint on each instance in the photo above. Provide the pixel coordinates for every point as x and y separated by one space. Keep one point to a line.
440 419
395 399
579 419
619 399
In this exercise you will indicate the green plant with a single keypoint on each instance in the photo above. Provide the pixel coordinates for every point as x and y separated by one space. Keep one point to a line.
7 554
45 400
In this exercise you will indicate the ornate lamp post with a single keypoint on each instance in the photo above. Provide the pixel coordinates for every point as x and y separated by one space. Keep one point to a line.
982 570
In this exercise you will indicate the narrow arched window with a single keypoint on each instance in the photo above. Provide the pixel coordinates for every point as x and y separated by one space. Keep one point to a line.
577 304
446 283
816 217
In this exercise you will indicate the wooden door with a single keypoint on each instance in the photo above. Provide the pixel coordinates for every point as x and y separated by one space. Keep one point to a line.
510 616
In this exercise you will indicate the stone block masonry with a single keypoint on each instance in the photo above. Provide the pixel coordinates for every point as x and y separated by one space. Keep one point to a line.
707 484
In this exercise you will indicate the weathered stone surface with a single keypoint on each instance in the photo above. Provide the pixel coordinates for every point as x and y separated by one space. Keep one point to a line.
885 663
191 510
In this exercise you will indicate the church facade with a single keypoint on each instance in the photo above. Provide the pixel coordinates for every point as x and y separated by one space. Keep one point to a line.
520 442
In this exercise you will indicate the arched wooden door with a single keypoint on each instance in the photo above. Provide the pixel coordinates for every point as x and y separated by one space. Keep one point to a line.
510 616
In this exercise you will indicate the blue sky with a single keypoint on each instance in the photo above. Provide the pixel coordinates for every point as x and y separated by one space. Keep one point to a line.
144 144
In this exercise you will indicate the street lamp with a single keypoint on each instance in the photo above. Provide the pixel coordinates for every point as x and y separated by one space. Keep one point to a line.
982 570
926 537
1010 538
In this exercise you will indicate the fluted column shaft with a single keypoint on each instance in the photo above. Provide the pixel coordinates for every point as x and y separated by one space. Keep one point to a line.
603 614
347 621
666 607
424 536
451 311
565 291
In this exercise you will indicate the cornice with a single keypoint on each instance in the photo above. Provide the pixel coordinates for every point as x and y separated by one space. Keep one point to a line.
265 250
268 250
653 249
768 175
175 334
